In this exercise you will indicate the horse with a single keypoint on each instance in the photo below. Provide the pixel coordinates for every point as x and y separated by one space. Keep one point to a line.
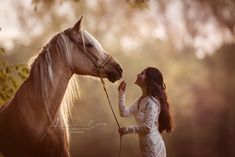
27 120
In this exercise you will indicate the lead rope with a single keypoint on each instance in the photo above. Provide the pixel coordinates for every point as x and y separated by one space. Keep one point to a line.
115 117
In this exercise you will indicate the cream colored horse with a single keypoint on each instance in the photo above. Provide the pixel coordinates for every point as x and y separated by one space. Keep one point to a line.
26 121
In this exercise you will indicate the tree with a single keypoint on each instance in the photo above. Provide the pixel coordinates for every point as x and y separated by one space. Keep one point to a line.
11 76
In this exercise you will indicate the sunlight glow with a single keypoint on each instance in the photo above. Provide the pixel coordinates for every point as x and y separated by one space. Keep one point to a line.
148 23
129 44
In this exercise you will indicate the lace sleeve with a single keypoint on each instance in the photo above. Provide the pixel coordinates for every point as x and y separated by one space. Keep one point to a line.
123 110
152 111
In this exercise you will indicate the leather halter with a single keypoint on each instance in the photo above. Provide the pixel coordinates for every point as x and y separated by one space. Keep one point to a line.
88 55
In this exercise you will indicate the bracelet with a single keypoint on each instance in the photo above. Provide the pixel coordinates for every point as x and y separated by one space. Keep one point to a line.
131 129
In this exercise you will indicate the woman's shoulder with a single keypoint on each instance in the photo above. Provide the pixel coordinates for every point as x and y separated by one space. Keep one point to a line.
153 100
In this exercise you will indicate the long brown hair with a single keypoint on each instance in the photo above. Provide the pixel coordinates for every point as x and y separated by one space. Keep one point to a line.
156 87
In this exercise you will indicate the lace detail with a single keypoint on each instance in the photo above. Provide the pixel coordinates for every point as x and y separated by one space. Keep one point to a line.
126 111
152 145
146 117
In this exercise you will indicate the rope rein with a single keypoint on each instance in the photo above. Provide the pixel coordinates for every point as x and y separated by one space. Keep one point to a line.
111 107
99 68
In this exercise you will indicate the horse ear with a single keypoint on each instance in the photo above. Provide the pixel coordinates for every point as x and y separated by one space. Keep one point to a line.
77 26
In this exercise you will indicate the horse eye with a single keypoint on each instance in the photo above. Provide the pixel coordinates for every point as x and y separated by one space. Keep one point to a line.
89 45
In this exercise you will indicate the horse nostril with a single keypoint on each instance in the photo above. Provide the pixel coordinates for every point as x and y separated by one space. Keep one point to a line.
119 69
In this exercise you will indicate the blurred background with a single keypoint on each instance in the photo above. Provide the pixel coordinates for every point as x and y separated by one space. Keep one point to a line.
191 41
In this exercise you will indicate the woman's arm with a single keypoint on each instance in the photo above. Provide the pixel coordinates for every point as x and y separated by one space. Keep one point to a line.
149 121
123 109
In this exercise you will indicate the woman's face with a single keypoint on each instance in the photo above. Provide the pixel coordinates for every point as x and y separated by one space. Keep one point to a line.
140 80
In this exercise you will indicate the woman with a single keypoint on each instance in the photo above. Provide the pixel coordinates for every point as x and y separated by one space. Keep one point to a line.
151 112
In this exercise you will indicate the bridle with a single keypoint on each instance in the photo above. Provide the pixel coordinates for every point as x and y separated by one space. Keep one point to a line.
100 70
99 67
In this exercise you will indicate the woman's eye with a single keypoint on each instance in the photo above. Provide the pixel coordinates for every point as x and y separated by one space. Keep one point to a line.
89 45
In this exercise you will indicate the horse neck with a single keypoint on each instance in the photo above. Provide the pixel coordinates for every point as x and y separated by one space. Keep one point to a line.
47 82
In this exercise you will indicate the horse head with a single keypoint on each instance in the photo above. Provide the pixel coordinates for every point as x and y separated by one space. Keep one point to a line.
88 57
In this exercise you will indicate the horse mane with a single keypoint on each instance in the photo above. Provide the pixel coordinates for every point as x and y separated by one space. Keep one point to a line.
44 62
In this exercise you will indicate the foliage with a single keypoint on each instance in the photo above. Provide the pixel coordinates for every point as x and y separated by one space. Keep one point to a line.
221 10
11 76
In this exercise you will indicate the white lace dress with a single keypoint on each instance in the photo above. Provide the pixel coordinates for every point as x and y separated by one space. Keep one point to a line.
146 112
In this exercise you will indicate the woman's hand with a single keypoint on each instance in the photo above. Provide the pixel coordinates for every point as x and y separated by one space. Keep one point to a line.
122 86
123 131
